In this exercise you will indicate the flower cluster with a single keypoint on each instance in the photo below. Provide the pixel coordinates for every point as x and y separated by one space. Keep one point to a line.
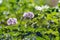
41 7
11 21
28 15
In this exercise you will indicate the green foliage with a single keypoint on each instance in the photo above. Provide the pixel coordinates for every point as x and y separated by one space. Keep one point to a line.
47 21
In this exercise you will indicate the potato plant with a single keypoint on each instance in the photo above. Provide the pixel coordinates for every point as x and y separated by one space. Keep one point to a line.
29 20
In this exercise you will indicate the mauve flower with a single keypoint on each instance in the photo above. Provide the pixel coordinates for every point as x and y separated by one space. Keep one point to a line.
11 21
28 15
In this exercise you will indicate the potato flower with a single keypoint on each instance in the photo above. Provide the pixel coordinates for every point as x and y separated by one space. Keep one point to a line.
28 15
11 21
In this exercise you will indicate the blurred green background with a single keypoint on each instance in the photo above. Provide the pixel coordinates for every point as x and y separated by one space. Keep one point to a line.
44 26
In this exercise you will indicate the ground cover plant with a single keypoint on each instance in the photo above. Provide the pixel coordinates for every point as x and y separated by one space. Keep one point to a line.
29 20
